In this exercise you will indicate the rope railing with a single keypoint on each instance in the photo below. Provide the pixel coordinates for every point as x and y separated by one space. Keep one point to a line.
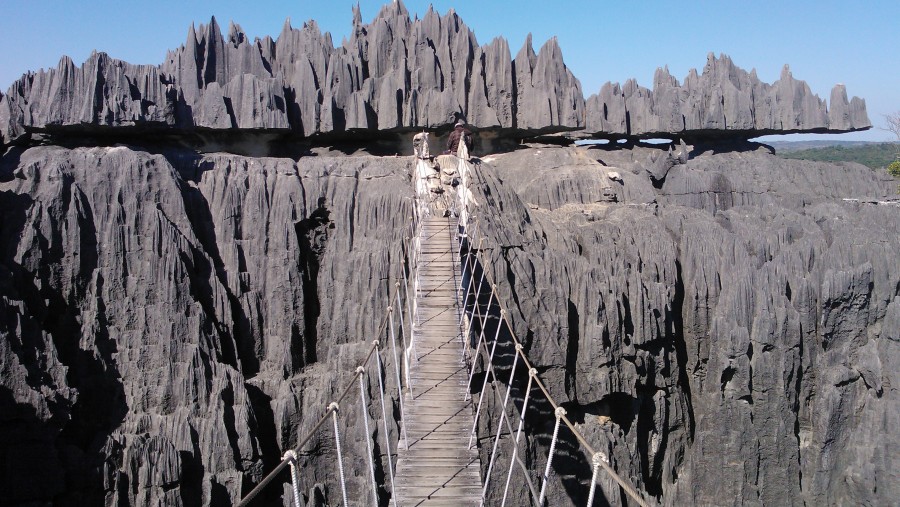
598 460
402 298
290 457
407 253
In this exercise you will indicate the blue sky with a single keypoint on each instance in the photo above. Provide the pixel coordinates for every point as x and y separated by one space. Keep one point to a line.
825 42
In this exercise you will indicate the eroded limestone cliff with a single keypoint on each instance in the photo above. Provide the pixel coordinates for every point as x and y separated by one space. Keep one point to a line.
398 74
168 320
728 333
724 101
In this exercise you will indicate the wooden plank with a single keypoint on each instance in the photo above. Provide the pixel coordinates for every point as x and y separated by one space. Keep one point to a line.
438 469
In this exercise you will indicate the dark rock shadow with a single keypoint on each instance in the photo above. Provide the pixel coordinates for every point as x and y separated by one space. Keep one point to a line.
312 237
28 449
238 348
715 147
9 162
100 405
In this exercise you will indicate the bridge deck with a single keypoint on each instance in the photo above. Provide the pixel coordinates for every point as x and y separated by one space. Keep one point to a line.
438 469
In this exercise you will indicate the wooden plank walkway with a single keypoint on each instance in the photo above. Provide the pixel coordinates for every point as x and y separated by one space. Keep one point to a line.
438 469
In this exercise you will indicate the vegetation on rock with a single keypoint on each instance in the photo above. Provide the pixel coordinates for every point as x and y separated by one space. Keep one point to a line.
875 156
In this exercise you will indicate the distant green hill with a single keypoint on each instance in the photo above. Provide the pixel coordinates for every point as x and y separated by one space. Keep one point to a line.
874 155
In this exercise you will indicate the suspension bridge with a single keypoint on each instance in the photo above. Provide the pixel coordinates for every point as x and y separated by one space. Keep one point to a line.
443 326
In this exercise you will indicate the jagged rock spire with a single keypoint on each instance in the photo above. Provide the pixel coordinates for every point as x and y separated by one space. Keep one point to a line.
723 101
397 73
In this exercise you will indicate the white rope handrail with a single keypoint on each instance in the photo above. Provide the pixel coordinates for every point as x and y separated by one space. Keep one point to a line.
387 440
457 283
365 416
504 419
334 407
291 457
466 322
397 373
285 462
596 460
487 475
559 413
531 374
589 448
481 339
490 365
409 300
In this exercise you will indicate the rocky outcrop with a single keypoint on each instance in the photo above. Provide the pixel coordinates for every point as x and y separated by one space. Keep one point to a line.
391 74
726 335
171 324
723 101
397 74
721 322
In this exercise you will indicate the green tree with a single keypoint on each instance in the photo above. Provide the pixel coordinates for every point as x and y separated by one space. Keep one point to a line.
894 169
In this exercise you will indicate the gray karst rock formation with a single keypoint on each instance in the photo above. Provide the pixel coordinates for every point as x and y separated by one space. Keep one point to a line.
163 324
728 334
401 75
392 74
723 101
723 323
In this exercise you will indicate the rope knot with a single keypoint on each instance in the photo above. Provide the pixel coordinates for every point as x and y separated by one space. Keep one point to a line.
519 347
334 407
390 309
360 370
397 284
598 458
532 372
559 412
502 312
290 456
376 343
